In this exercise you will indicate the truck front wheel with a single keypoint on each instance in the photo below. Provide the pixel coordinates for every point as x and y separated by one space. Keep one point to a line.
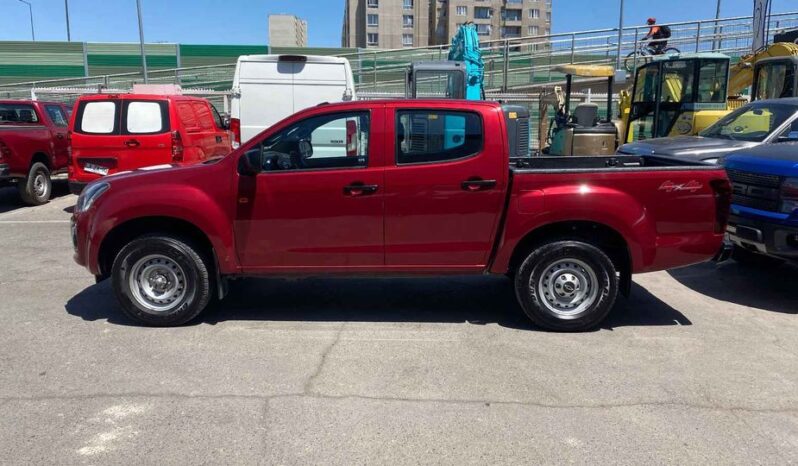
37 187
161 280
567 286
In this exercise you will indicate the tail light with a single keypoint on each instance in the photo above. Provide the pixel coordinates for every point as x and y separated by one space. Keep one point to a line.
351 138
789 195
5 151
722 191
235 128
177 147
69 147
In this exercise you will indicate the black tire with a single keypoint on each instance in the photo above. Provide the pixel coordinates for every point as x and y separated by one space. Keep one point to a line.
670 51
185 271
585 267
751 259
37 188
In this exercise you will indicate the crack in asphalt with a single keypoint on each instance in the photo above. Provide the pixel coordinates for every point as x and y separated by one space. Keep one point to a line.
323 360
484 402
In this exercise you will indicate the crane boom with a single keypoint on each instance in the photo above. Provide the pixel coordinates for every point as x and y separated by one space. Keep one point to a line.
465 48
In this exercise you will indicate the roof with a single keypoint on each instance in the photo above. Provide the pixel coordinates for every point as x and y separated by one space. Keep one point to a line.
102 96
28 101
588 71
690 56
304 58
784 100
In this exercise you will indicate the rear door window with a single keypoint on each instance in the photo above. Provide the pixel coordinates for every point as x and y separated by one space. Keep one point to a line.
18 113
436 136
98 117
203 116
57 116
188 117
146 117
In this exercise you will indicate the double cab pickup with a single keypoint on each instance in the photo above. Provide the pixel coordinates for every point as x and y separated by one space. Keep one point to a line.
34 146
424 187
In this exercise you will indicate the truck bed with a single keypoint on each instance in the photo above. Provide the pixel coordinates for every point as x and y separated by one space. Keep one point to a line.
670 212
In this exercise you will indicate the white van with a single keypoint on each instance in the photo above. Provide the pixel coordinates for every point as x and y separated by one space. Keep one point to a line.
268 88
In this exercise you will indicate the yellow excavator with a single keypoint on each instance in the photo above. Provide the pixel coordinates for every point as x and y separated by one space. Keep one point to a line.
681 95
673 95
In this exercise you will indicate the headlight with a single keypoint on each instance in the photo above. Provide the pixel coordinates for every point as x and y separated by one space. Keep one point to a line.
89 195
789 195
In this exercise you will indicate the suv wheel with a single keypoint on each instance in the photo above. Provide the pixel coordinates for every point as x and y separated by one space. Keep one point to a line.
161 280
567 286
37 187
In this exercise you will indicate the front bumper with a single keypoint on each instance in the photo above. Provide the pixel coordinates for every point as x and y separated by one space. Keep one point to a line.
772 239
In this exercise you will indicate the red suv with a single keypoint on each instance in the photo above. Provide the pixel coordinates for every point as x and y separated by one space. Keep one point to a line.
119 132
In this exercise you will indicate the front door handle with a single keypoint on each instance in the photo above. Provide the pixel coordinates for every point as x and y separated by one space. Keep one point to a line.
478 184
132 143
218 139
360 189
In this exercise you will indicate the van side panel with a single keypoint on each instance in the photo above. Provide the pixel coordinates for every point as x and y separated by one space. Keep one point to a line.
269 90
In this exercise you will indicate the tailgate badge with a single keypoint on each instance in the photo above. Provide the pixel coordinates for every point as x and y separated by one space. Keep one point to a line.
671 187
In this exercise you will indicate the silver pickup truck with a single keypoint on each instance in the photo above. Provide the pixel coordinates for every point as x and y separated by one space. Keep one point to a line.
760 122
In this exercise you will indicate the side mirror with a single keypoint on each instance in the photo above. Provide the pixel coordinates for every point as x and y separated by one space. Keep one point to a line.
250 164
225 122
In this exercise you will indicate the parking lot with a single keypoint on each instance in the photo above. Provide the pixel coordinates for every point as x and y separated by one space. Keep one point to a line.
700 365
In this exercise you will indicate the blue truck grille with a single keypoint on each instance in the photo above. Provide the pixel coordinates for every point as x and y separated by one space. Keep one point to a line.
755 190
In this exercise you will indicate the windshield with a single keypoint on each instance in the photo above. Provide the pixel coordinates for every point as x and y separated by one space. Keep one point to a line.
752 123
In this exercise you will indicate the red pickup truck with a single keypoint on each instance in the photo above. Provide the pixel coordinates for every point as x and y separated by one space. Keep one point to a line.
33 146
422 187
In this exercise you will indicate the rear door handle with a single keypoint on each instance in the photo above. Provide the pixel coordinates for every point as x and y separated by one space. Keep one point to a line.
132 143
360 189
478 184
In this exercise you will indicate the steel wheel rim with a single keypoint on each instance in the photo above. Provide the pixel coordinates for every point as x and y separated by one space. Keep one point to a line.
157 283
39 185
568 287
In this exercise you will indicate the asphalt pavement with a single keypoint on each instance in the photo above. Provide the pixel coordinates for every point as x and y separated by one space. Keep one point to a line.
700 365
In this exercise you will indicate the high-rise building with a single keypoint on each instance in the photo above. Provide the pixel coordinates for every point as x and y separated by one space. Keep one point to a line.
386 24
494 19
392 24
287 31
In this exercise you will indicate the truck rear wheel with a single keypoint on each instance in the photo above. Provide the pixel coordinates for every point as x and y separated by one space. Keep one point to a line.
567 286
37 187
161 281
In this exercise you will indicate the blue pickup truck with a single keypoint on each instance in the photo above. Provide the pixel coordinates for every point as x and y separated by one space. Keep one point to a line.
764 213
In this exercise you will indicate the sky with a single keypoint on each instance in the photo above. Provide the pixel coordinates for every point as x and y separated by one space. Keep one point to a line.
245 21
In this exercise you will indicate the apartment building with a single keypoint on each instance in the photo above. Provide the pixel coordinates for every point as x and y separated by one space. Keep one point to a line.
386 24
495 19
393 24
287 31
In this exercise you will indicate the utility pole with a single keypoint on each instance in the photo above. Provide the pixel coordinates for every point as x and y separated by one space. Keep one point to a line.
717 42
620 38
66 10
30 10
141 43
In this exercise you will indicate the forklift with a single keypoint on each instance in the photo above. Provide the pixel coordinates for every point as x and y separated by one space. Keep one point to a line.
582 131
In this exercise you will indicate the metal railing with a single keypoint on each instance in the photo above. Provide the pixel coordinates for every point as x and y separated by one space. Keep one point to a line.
513 64
518 63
